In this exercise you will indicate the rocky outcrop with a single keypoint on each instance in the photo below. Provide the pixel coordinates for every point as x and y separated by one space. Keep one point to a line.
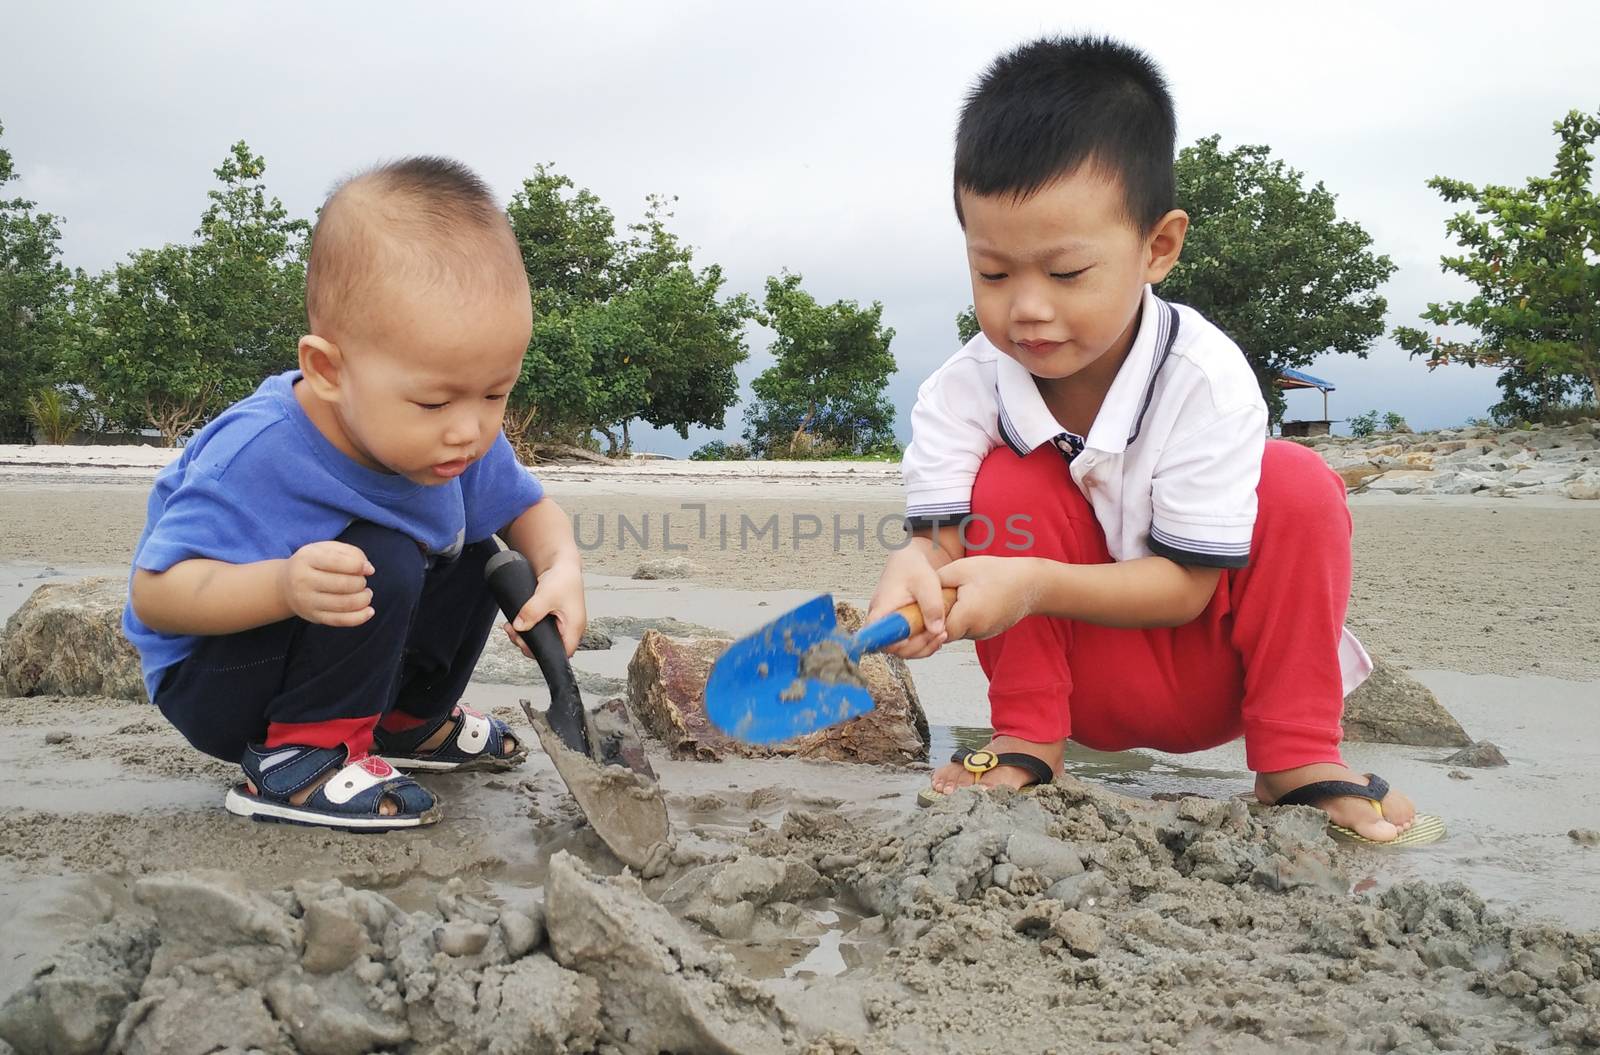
1539 460
1392 707
666 690
66 640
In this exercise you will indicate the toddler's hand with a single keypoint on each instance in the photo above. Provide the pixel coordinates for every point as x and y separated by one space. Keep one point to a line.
992 593
560 590
907 576
326 582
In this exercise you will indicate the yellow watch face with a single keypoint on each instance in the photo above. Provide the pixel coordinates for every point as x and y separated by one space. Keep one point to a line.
980 762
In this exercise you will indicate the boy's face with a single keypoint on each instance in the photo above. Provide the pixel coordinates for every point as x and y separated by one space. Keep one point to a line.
423 393
1057 277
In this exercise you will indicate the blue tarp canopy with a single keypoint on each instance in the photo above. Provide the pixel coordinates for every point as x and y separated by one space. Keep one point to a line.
1288 378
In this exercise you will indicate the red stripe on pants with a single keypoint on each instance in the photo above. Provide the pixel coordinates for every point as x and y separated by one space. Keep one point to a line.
1261 661
354 733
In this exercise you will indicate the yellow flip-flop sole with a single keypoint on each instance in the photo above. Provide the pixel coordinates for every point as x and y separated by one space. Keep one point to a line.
1425 829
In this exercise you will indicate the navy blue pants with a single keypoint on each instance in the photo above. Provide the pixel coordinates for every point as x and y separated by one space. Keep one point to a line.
295 682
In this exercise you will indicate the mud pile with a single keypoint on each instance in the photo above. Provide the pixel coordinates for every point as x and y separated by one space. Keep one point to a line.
1067 918
327 970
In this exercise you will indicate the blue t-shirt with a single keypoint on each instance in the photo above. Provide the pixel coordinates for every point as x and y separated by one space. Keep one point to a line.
260 481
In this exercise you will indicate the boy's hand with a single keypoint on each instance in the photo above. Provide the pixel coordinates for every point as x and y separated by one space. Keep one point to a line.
326 582
992 593
908 576
560 590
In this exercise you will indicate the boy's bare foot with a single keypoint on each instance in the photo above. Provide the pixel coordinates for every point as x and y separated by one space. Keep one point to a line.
1347 811
953 775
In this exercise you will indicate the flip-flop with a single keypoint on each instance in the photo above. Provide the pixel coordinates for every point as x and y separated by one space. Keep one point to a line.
1425 828
980 762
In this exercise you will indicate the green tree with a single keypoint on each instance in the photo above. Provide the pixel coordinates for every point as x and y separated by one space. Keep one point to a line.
825 392
173 335
1534 254
967 324
1271 263
627 329
34 288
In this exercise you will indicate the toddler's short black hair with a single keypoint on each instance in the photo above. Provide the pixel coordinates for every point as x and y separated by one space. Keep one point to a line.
1042 111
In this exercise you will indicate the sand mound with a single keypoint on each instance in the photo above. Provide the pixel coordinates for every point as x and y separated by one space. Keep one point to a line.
1069 918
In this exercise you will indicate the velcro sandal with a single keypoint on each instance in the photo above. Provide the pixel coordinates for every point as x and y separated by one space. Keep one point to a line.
351 799
476 743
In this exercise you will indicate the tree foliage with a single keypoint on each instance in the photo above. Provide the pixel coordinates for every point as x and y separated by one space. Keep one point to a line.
825 392
171 336
967 325
626 328
34 289
1534 254
1270 262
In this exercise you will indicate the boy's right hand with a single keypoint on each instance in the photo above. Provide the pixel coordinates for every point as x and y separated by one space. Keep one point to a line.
326 582
909 576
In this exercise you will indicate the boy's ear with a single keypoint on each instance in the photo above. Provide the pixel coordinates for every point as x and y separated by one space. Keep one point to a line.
322 366
1164 245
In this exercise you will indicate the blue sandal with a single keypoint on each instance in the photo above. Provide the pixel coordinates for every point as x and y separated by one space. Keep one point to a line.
476 743
350 800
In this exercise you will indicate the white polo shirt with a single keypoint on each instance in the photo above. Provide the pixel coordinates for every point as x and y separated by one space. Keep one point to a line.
1170 465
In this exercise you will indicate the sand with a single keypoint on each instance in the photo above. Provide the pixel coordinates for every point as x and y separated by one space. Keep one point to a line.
810 906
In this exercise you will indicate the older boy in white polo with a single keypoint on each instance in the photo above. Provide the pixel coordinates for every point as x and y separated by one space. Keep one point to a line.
1091 473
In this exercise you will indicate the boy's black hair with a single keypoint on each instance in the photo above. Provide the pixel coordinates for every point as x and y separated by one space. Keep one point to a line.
1042 111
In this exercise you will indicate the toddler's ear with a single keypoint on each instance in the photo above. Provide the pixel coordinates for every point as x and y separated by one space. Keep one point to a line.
322 364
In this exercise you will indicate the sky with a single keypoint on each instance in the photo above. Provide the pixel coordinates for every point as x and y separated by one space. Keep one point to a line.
814 137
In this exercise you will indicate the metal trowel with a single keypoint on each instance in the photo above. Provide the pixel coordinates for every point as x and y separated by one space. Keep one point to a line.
598 755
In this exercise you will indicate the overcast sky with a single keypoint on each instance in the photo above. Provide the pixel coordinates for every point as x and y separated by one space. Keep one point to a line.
809 136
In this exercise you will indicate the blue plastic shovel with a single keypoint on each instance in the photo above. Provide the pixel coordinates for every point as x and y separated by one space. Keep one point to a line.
756 692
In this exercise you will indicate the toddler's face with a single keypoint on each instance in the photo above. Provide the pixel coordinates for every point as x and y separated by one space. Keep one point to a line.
1057 277
424 393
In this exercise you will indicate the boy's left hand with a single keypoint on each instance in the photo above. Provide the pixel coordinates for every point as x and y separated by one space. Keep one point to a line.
992 594
559 590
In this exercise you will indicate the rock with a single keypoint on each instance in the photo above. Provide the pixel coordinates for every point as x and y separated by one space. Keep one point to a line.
1585 488
1403 481
1356 475
1456 774
1481 755
666 690
57 736
66 640
521 932
1391 707
660 989
333 939
594 640
1584 836
669 568
1079 931
462 938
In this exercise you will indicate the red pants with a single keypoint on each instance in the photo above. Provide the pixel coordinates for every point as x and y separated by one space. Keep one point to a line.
1261 661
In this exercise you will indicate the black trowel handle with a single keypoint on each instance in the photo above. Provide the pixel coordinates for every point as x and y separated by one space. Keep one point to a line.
511 580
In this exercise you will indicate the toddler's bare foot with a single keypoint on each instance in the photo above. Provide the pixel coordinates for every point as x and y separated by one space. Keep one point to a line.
1347 811
953 775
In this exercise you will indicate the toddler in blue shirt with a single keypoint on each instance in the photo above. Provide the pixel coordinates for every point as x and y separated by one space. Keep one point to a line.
307 597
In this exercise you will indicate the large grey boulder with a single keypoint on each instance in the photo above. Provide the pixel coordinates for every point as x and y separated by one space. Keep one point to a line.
1392 707
66 640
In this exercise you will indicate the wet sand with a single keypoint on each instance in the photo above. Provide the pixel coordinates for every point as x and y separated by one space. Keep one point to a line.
82 819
